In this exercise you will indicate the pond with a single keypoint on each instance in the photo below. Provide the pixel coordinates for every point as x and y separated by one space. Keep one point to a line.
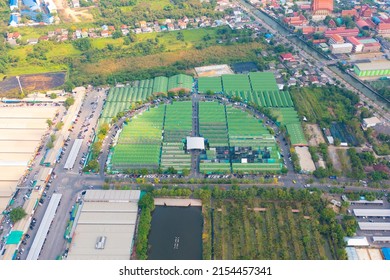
176 233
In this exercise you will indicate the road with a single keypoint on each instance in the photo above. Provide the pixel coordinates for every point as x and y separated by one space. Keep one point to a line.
68 182
195 154
312 56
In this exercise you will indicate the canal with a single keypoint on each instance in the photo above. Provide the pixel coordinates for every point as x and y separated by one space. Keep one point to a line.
176 233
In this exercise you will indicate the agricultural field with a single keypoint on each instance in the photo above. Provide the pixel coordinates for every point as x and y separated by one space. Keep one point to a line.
121 99
139 144
289 118
246 131
268 230
37 82
212 126
177 126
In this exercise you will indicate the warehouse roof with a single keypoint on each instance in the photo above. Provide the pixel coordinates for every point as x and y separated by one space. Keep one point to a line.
372 212
112 196
105 225
351 253
374 65
381 238
374 226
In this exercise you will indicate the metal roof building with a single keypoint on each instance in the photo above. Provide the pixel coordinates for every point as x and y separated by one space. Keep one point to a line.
381 238
40 238
351 253
371 212
356 241
105 225
73 154
374 226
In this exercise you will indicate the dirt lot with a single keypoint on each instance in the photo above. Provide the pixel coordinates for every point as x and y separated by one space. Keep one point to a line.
39 82
305 160
332 150
315 134
68 14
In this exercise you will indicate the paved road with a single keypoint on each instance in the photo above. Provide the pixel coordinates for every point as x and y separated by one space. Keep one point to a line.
68 182
195 155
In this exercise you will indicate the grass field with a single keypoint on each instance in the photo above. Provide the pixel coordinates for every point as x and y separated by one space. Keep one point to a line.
155 5
139 144
268 230
57 52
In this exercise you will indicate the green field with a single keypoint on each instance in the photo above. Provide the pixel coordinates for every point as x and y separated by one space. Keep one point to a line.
290 119
139 144
177 126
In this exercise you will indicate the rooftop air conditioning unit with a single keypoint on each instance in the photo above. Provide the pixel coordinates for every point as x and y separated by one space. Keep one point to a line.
101 242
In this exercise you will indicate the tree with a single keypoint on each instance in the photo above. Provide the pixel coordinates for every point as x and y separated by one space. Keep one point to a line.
83 44
39 17
59 125
186 172
49 122
17 214
68 86
117 34
349 224
93 165
69 102
53 95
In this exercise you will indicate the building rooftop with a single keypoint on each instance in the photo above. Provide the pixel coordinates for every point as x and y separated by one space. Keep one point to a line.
374 65
195 143
105 225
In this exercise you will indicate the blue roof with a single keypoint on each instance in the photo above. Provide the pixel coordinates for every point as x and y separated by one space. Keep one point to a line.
386 253
13 2
13 18
32 4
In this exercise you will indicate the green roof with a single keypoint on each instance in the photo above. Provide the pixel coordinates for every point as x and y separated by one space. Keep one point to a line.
160 85
14 237
263 81
180 81
296 134
238 82
209 83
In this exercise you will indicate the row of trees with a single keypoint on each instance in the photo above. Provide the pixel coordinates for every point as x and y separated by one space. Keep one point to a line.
96 148
146 203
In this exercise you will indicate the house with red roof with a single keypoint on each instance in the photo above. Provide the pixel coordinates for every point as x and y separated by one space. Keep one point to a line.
287 57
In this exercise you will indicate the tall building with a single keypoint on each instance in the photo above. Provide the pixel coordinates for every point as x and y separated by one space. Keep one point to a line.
322 7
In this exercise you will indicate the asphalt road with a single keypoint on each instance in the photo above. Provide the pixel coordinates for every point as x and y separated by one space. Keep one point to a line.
68 182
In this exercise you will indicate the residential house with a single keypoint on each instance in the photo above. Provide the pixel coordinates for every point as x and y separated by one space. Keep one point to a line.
182 24
105 33
287 57
142 24
170 27
44 38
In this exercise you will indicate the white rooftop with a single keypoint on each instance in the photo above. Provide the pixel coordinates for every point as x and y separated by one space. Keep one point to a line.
372 212
372 121
374 226
195 143
356 241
